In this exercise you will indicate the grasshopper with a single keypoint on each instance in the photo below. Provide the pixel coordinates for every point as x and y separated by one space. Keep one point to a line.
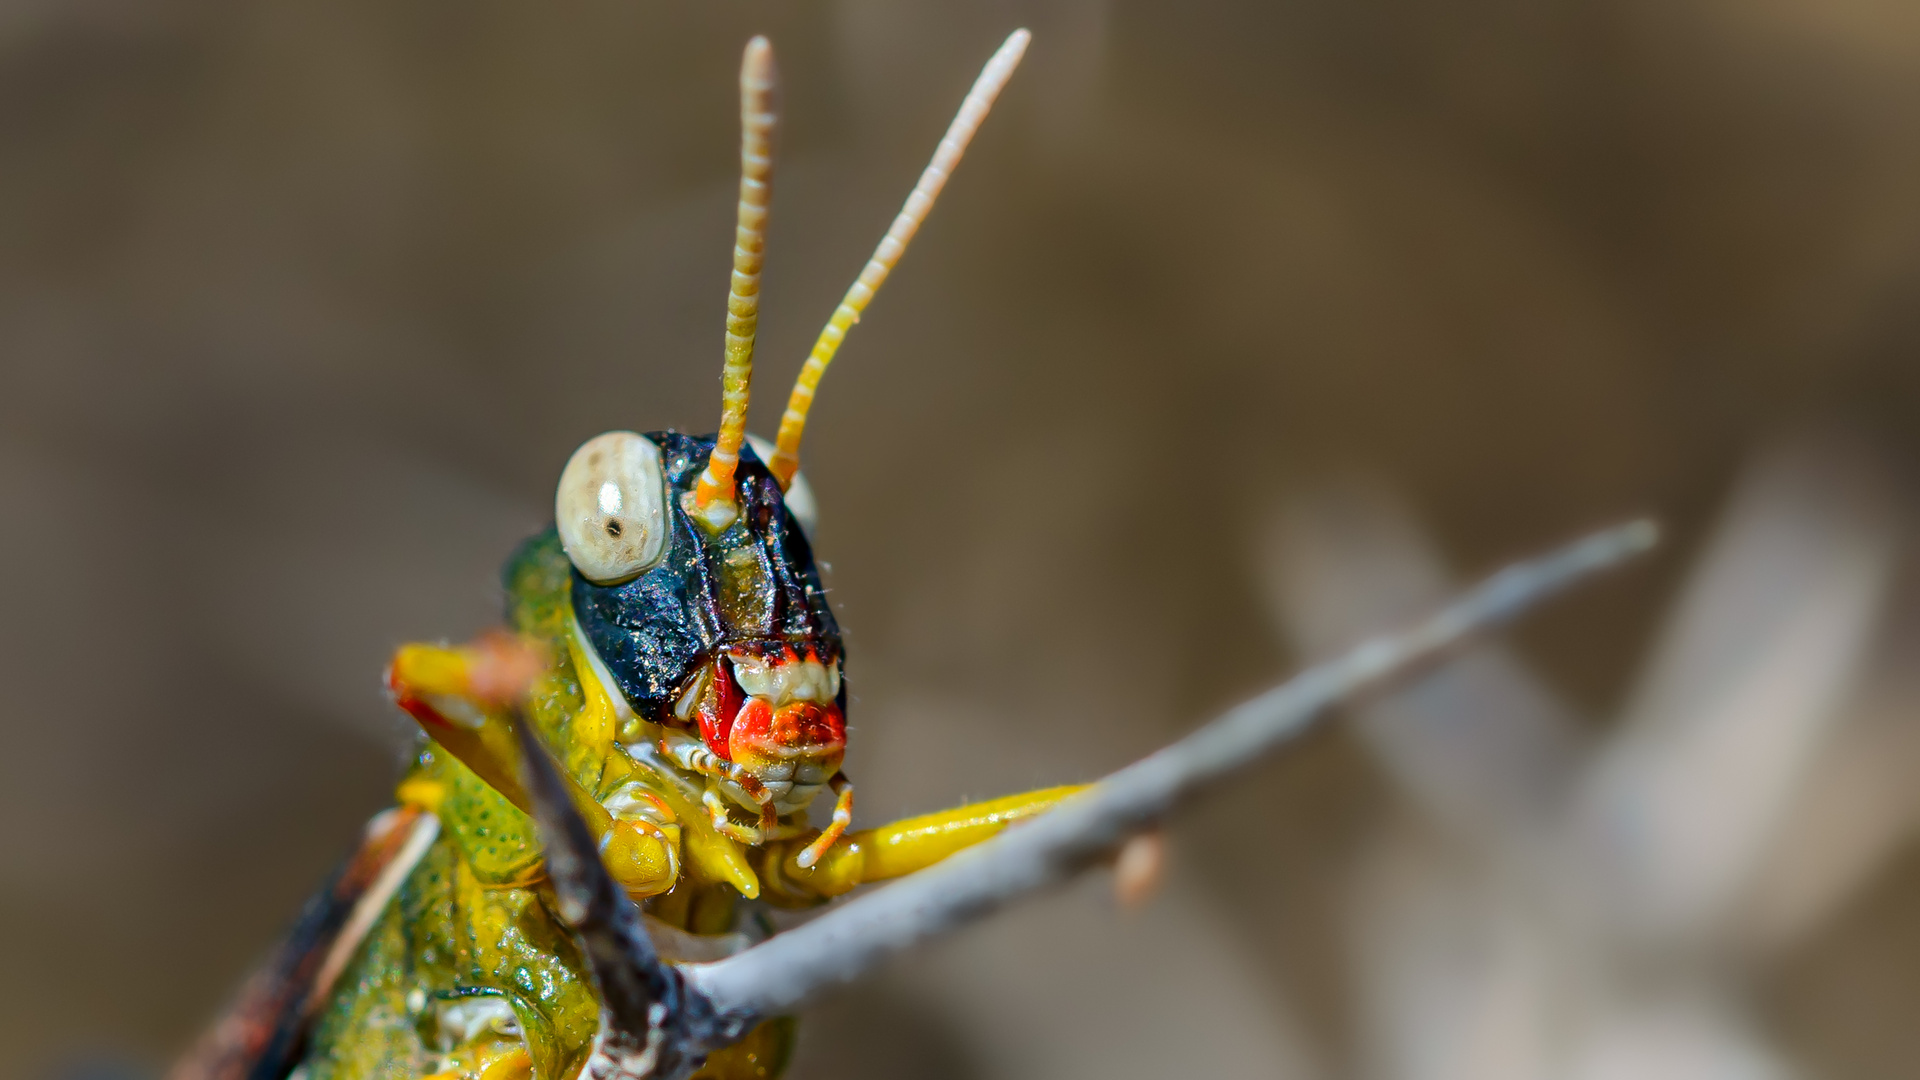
673 649
654 726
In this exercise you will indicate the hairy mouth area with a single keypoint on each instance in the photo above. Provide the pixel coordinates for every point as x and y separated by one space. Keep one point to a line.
772 709
788 787
786 796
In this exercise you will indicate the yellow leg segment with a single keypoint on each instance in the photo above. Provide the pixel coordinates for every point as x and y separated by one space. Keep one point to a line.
456 693
762 1055
894 850
497 1060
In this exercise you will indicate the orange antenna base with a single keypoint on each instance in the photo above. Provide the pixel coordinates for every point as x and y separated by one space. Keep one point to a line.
712 497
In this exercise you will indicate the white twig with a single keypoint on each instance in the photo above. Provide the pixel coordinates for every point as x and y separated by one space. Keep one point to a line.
1484 746
851 940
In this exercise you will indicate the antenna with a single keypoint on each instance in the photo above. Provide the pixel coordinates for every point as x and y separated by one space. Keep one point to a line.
973 110
712 497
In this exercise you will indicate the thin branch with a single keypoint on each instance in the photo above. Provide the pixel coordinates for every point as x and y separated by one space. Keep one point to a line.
851 940
1483 746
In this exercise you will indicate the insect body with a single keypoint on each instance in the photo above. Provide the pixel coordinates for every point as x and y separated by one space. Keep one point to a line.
673 649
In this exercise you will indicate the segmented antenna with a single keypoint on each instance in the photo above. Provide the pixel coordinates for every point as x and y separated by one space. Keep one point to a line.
786 454
713 493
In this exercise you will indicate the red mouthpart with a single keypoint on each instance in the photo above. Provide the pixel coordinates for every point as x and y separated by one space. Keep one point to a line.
794 730
736 727
718 707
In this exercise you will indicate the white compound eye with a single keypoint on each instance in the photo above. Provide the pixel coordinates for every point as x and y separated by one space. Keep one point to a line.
611 507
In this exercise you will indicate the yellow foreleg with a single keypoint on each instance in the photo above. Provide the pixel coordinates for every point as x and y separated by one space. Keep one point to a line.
891 851
453 694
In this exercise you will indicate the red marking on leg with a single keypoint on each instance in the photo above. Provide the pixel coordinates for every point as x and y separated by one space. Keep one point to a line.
414 707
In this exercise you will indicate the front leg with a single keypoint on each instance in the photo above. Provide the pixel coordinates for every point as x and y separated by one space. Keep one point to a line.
462 698
894 850
692 755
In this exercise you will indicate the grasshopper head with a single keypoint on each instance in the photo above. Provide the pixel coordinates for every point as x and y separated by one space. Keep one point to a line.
721 635
693 580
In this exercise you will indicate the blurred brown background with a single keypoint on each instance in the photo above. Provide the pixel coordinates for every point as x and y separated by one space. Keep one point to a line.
303 306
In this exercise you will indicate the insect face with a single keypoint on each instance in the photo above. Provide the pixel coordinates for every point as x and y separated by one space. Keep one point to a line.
724 638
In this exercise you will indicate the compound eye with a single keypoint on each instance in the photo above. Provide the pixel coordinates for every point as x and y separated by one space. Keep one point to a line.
611 507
